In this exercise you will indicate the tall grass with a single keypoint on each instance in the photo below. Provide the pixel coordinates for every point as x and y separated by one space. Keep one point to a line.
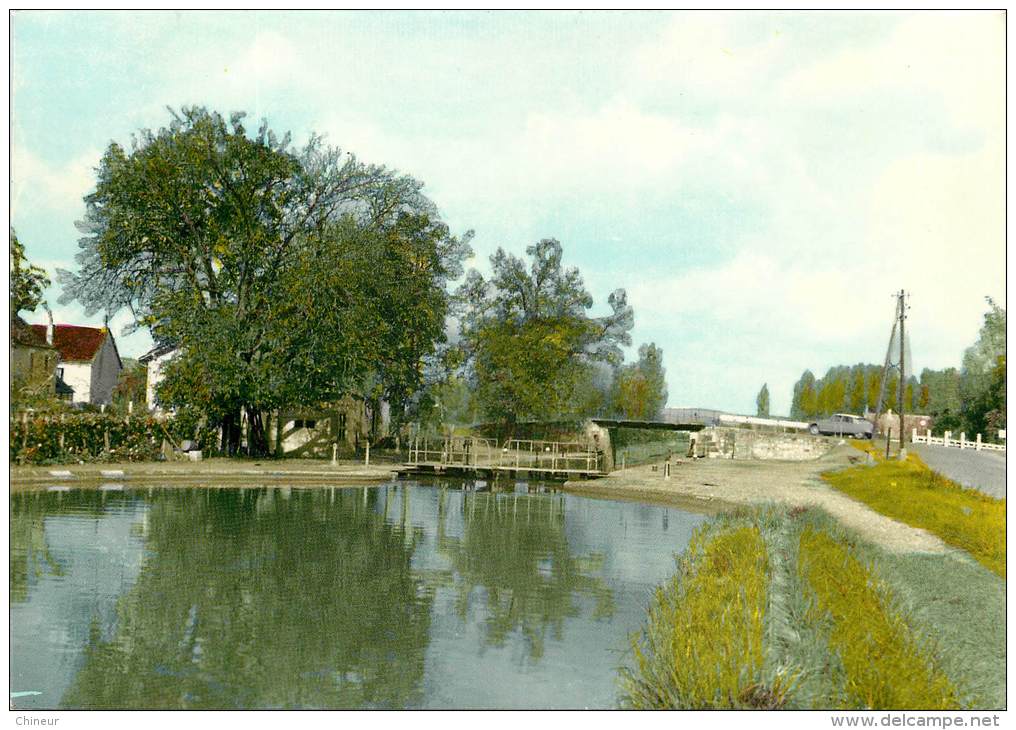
911 492
885 665
703 645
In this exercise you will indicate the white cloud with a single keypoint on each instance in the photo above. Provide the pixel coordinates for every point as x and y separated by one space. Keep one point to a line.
39 185
958 57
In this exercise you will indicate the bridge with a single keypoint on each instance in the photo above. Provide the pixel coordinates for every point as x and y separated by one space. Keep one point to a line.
475 456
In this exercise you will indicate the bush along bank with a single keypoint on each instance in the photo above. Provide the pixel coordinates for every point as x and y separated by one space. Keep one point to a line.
773 609
91 437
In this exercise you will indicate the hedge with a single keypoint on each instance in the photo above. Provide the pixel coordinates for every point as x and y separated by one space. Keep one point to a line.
97 437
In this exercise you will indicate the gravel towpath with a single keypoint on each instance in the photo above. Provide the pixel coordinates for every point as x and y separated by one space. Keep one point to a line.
712 481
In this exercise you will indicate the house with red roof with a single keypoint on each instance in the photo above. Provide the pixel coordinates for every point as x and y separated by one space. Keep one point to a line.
33 360
89 361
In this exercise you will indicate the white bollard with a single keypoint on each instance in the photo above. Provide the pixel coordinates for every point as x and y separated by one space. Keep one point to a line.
335 449
978 447
366 461
945 438
913 435
963 440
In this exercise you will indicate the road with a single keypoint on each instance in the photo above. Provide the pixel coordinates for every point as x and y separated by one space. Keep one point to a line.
983 470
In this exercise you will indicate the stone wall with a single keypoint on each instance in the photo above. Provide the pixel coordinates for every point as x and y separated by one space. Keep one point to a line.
736 443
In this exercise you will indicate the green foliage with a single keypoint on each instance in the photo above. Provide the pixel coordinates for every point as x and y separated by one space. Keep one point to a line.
528 338
912 493
886 665
762 402
703 644
639 391
971 399
37 440
27 282
285 277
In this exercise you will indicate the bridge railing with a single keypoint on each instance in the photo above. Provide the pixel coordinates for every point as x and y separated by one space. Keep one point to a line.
524 454
946 439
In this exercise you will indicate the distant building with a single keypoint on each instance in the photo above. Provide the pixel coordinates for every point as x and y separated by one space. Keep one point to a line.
704 416
312 431
154 360
89 361
33 359
911 421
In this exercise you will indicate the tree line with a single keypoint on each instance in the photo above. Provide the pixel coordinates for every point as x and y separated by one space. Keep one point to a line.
290 275
970 398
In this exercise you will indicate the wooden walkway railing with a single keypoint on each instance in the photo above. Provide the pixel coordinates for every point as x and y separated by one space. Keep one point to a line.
474 453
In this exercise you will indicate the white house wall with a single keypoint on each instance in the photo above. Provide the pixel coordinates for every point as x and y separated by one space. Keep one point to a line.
155 374
78 375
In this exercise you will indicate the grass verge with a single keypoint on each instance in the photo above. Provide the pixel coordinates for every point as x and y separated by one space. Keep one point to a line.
885 665
911 492
703 645
822 620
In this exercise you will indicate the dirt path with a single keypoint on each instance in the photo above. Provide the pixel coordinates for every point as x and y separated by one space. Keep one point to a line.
781 482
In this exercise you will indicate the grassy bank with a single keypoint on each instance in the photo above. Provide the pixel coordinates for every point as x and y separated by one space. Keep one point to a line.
910 492
824 621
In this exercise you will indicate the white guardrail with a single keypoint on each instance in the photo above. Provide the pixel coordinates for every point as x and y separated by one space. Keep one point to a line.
946 439
755 421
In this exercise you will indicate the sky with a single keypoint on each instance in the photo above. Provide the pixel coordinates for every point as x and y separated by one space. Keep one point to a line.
760 183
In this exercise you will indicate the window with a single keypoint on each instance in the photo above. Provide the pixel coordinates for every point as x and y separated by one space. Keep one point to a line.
304 423
59 373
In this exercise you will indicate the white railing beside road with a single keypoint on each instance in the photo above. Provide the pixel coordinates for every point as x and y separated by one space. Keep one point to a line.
946 439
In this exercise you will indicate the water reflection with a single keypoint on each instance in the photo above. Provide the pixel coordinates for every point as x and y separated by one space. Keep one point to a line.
254 598
514 547
393 596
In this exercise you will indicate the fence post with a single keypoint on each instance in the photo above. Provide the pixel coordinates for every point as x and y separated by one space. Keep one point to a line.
978 447
945 438
927 436
913 435
963 440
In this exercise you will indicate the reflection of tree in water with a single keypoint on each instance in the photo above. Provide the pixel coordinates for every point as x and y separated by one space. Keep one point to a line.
29 552
515 547
252 599
30 557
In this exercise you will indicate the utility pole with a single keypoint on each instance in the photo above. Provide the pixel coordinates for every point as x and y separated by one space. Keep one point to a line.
903 369
900 366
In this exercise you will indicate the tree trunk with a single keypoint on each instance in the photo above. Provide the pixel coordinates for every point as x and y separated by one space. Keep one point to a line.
231 433
257 434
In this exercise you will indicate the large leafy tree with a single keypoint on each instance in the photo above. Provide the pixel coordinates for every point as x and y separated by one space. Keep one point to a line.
271 267
529 339
27 281
640 388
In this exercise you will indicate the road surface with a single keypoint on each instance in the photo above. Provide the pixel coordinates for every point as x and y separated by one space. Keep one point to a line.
983 470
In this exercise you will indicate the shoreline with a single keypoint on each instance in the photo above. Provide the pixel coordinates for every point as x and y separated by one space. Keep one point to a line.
192 473
725 484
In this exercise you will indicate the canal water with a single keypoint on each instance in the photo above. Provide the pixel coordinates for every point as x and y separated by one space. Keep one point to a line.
408 595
